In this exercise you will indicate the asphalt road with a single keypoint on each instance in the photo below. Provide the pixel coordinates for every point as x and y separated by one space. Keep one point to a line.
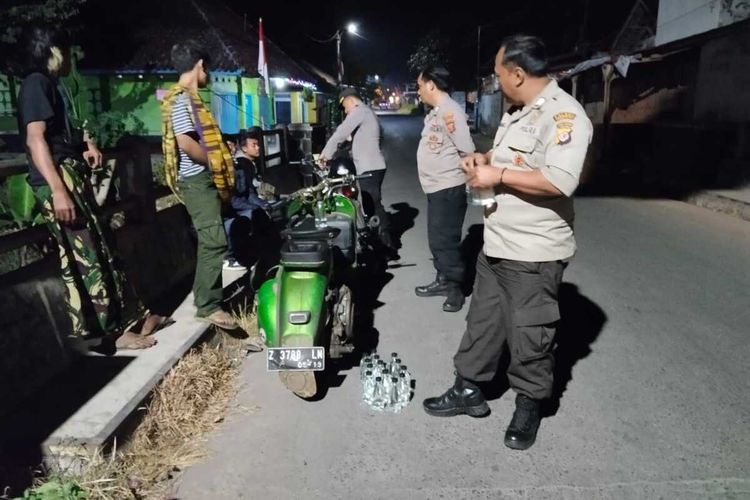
653 375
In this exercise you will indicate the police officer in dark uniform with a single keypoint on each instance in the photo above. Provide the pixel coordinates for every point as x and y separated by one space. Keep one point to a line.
534 169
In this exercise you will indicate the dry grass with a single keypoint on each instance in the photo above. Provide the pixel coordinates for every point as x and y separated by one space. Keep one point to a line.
188 403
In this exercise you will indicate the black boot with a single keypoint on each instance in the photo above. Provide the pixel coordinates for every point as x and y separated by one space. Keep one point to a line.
521 432
438 287
455 300
463 397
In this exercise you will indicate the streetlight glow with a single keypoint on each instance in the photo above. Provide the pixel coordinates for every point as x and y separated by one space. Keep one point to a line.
352 28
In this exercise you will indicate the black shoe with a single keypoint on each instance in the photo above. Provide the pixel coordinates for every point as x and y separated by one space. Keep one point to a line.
438 287
521 432
463 397
455 300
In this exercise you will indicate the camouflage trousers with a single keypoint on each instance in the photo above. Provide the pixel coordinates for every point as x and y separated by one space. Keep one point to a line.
96 286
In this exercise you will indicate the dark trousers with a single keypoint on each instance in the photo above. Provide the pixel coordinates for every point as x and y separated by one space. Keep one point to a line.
445 219
513 303
372 199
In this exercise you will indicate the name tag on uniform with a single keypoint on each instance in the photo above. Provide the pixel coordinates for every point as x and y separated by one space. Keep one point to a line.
529 129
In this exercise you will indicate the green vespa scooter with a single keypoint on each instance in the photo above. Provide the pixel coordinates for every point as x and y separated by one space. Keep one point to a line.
305 311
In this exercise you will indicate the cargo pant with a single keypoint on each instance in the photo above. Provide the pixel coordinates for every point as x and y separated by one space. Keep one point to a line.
202 202
95 285
514 303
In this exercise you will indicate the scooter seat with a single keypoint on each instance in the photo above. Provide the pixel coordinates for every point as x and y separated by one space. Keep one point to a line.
304 253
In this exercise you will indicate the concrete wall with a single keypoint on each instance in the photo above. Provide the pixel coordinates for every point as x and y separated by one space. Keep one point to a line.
34 328
723 87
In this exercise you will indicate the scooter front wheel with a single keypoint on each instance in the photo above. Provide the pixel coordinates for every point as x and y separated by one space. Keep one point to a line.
301 383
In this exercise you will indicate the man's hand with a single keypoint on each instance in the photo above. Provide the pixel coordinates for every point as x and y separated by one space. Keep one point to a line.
63 206
92 155
483 176
473 160
323 161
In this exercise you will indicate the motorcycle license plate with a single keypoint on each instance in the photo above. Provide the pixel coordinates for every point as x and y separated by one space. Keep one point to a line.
295 358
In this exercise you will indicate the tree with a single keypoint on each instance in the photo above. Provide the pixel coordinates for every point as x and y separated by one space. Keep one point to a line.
13 19
430 50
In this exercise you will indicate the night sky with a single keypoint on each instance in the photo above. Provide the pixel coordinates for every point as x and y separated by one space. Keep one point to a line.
393 28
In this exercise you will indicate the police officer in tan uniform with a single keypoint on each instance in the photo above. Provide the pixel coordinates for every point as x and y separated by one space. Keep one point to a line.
445 141
534 168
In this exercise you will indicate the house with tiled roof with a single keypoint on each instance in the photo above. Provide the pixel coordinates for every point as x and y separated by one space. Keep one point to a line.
125 67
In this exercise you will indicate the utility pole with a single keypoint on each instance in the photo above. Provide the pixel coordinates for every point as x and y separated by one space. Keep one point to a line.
583 31
479 76
339 76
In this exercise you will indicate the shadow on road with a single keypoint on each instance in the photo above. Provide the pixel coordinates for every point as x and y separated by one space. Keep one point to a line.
370 280
470 248
401 221
581 323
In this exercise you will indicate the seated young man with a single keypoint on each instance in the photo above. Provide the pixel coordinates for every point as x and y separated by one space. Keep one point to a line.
245 197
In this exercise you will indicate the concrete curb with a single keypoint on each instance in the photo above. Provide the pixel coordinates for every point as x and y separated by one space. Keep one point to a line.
97 421
721 204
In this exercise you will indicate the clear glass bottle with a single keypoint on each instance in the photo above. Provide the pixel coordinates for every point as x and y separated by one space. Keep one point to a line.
320 214
395 367
480 196
392 391
379 396
364 369
365 359
403 389
368 385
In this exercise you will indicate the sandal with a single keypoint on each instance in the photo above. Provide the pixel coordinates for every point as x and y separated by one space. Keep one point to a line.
219 318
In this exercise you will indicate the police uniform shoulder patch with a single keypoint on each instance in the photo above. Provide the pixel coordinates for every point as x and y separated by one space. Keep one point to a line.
564 133
564 116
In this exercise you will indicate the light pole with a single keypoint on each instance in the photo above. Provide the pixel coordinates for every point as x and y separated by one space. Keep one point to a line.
351 28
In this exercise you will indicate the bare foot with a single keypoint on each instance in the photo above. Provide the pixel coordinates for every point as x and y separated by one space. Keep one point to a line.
153 323
130 340
220 318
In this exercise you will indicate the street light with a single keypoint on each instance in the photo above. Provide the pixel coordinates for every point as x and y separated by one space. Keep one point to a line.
352 29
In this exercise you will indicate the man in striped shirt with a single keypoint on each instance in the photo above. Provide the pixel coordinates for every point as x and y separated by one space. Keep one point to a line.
196 187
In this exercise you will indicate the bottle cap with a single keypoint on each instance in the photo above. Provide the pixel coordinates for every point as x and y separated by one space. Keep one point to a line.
394 379
378 379
398 361
369 365
400 375
394 354
403 368
368 373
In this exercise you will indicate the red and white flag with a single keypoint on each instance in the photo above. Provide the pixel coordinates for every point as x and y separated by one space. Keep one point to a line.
262 62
